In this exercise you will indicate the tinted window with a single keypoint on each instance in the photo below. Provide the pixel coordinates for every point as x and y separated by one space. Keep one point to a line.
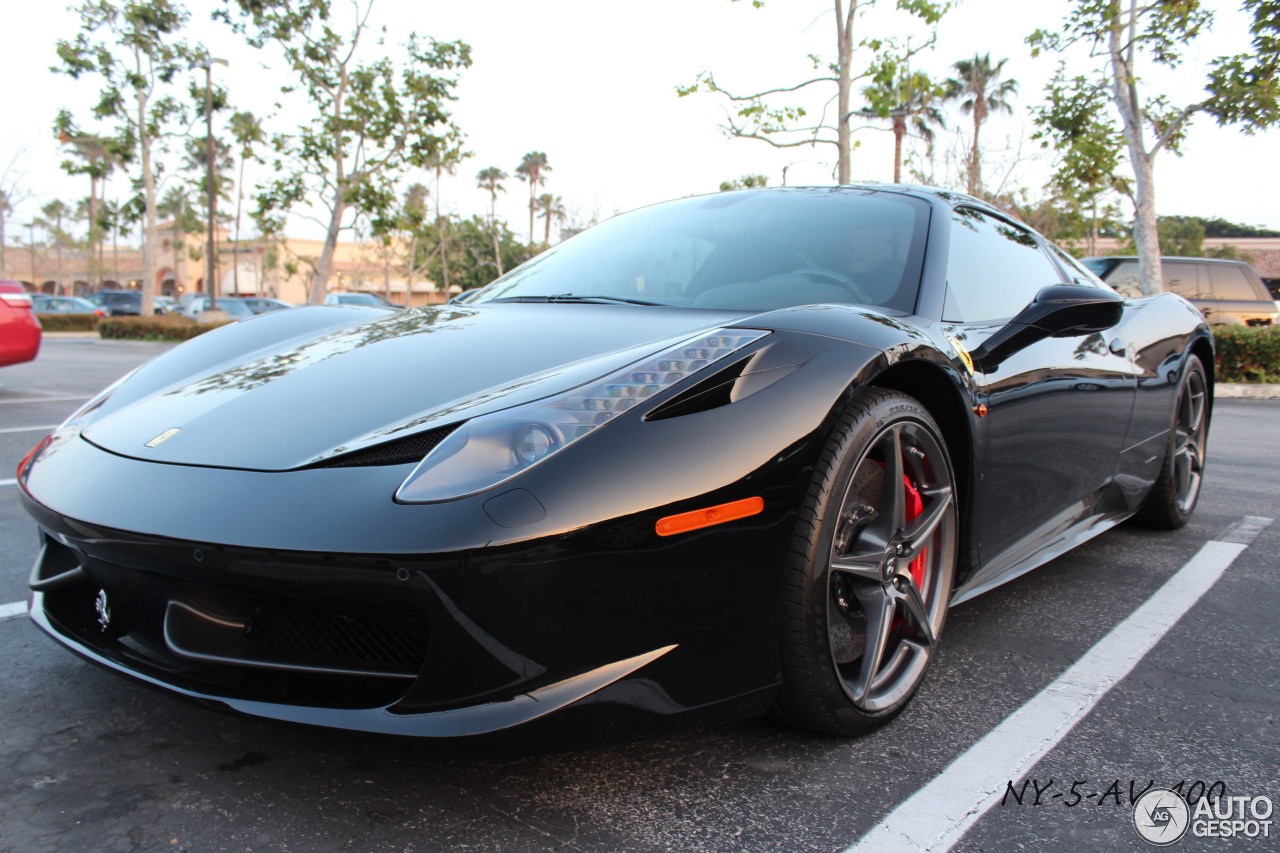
995 268
1182 279
1077 271
744 250
1230 282
1125 279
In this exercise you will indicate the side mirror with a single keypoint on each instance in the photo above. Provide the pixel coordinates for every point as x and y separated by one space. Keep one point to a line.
1058 311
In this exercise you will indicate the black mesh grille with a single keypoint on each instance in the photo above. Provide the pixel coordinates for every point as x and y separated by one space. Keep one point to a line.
399 452
353 638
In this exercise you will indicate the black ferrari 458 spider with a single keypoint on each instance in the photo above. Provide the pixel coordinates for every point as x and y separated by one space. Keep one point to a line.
738 452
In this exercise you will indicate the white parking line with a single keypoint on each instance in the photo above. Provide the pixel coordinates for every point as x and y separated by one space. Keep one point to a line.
8 482
27 429
12 611
938 815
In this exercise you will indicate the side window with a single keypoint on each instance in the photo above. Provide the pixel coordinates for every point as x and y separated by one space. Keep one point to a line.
1182 279
1125 279
1230 282
1076 271
995 269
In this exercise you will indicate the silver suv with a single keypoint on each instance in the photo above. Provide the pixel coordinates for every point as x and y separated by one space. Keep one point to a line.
1226 292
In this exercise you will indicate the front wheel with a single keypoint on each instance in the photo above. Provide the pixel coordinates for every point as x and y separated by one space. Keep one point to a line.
1173 498
872 563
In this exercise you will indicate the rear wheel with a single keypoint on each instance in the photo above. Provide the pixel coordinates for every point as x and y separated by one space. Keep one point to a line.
869 579
1173 498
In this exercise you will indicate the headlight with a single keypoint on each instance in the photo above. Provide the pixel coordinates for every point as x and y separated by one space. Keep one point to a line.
491 449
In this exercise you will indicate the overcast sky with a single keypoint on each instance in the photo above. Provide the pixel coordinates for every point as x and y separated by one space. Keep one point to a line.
592 84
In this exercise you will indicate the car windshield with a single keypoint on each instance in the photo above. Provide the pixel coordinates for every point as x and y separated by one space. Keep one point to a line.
234 308
367 300
744 250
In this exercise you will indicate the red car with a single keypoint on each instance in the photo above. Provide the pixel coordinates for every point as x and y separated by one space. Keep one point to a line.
19 328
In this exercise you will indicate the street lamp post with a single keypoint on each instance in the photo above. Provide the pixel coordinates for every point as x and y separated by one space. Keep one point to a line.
212 195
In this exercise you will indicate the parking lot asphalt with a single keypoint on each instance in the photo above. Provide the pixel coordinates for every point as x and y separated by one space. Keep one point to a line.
91 761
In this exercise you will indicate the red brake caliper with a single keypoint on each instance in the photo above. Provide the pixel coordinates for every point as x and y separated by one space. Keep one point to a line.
915 506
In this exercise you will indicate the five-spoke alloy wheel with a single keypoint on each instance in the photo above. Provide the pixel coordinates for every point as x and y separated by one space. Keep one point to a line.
866 595
1173 498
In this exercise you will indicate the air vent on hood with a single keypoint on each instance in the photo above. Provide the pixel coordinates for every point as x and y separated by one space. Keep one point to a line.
398 452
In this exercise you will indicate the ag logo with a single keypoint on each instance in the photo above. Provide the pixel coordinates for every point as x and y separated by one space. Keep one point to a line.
1161 817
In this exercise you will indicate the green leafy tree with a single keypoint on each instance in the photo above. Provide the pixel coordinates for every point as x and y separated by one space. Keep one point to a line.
1180 237
980 92
135 48
772 116
247 133
371 120
909 99
533 168
746 182
1238 89
1075 123
472 255
550 207
491 179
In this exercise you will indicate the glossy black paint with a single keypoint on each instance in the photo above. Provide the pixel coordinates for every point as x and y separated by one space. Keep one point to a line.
554 591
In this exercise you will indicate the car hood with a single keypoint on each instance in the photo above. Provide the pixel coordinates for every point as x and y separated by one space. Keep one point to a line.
290 388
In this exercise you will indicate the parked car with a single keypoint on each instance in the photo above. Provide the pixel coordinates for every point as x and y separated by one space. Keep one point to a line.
263 304
364 300
1226 292
45 304
118 303
740 450
236 308
19 329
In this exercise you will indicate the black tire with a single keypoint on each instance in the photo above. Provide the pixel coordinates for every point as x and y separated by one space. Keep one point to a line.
1172 500
835 580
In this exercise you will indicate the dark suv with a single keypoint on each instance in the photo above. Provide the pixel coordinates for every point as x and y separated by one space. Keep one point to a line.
118 303
1226 292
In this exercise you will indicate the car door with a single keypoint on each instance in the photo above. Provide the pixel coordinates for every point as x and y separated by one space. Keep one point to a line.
1057 410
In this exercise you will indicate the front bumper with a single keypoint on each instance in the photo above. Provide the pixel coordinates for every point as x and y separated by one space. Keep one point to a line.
432 646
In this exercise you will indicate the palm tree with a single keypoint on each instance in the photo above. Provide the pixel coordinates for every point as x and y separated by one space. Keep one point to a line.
533 168
101 155
980 91
491 179
54 214
177 204
444 161
552 207
909 100
246 130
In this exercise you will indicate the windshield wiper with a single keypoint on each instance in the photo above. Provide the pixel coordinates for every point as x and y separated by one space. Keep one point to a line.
574 297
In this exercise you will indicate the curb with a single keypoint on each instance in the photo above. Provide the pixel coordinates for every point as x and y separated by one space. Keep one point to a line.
70 335
1244 391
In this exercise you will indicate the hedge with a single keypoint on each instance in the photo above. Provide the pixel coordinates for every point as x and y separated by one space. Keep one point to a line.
1247 353
68 322
170 327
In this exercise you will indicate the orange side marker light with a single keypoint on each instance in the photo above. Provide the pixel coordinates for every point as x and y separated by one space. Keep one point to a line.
712 515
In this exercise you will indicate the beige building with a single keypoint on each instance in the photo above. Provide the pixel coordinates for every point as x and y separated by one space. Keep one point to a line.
282 269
